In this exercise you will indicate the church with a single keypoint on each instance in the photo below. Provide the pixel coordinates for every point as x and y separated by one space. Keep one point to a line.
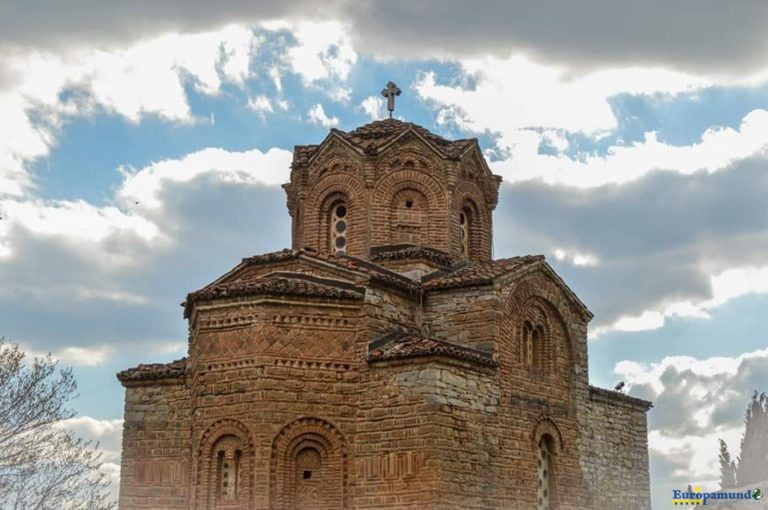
385 360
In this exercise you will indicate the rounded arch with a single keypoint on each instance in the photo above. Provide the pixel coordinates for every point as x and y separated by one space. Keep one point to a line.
547 429
419 182
409 159
468 199
332 164
233 437
546 446
317 212
289 478
538 300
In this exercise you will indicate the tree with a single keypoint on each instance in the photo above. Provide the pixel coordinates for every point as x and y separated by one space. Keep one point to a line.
727 468
751 466
43 465
753 458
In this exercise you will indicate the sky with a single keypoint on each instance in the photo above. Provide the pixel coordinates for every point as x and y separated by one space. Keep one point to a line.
143 144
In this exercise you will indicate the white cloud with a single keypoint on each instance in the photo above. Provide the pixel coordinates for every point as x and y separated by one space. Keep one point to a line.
108 433
324 52
78 224
698 456
87 357
20 142
260 104
697 401
528 104
269 168
725 286
372 106
79 277
576 258
92 428
517 93
76 356
717 149
317 116
145 78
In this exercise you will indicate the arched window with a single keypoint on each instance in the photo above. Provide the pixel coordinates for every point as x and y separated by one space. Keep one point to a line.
309 478
544 474
464 232
528 344
228 458
338 228
534 346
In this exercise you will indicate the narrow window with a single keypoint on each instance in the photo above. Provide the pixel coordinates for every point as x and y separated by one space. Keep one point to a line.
338 225
528 344
536 348
544 472
464 233
228 467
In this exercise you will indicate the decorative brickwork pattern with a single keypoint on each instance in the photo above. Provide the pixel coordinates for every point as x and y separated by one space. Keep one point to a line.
403 184
226 442
309 466
404 370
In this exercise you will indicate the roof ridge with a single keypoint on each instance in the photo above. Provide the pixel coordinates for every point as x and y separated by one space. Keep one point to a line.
402 344
152 371
274 285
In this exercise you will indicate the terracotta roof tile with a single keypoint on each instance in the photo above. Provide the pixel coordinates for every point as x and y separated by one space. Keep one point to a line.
302 153
348 262
400 345
411 251
154 371
478 273
372 270
461 274
379 133
294 284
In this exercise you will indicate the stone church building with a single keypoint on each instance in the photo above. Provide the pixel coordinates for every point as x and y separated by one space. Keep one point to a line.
385 360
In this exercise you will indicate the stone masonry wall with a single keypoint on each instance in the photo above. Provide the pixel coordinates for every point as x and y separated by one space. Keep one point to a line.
615 450
155 463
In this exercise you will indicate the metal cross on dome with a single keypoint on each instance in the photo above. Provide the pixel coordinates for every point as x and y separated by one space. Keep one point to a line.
390 91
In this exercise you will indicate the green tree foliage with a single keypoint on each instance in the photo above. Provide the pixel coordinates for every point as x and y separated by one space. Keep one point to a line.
753 458
727 468
751 466
43 465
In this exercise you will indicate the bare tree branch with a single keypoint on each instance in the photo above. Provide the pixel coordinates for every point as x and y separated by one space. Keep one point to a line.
43 466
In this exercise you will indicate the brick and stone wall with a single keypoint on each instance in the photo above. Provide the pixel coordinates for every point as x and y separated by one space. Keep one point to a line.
400 375
614 436
155 470
414 194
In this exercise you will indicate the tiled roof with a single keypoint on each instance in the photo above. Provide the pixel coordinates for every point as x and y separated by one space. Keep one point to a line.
371 137
411 251
275 256
154 371
374 271
461 274
302 153
478 273
294 284
300 283
399 345
370 269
